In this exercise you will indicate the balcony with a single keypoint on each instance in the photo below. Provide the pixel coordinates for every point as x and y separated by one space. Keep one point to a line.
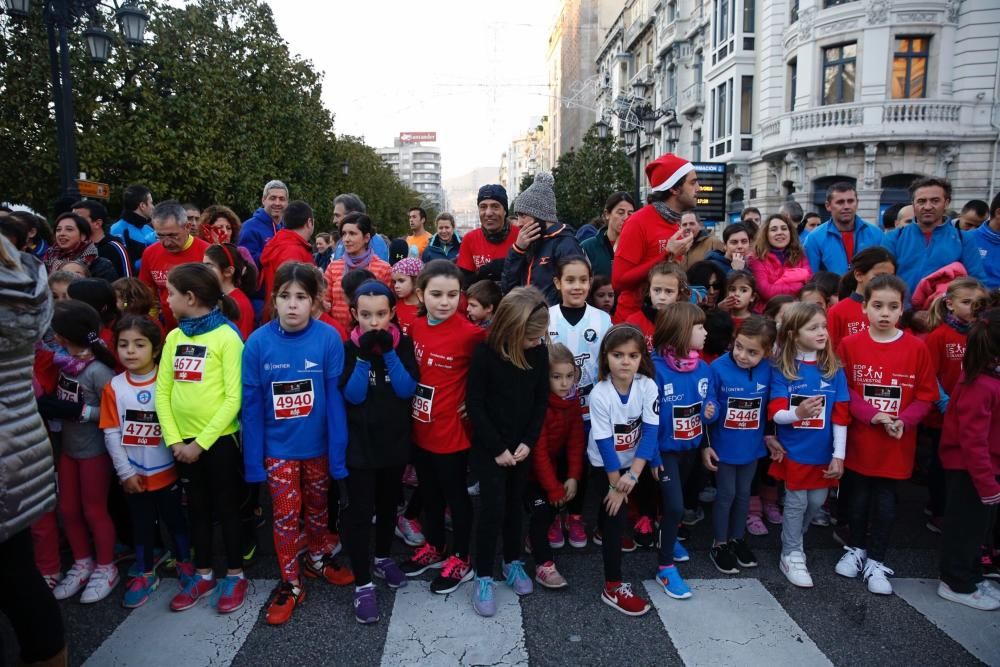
692 98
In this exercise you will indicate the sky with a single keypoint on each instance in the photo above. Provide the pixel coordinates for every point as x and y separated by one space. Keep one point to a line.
470 70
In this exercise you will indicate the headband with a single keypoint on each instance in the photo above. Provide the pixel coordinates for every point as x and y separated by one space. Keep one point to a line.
373 288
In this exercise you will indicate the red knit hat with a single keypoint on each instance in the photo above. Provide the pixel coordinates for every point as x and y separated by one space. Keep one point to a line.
665 171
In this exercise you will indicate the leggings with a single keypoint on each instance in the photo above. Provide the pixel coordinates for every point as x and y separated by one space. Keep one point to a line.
612 527
541 517
26 601
83 505
442 484
575 506
296 485
145 508
800 507
501 493
966 520
872 503
676 468
215 490
370 491
732 500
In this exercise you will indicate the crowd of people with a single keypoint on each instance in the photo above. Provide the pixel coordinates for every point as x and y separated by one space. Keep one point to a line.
785 372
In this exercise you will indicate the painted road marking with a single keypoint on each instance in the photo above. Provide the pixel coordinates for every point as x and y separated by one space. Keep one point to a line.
733 622
977 631
428 629
154 636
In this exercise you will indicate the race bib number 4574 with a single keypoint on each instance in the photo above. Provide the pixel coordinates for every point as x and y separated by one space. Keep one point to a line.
884 398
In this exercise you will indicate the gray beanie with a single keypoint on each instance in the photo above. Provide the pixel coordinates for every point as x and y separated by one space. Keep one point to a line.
539 200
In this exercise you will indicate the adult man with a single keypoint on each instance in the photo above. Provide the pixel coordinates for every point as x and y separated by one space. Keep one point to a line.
351 203
419 236
261 227
175 246
193 217
653 233
904 216
987 238
484 250
703 241
114 251
832 245
133 228
931 243
290 244
973 214
446 243
793 211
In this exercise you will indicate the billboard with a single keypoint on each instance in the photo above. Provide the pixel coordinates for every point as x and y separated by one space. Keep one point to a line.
711 206
417 137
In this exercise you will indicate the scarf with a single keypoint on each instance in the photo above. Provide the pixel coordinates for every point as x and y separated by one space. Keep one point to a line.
193 326
498 236
71 365
359 262
780 255
55 257
679 364
957 324
393 330
667 213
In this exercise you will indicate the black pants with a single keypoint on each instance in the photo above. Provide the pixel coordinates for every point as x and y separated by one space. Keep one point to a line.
966 521
575 506
612 527
216 488
843 507
646 496
501 498
542 513
25 599
145 508
872 504
676 470
370 492
333 503
442 484
936 487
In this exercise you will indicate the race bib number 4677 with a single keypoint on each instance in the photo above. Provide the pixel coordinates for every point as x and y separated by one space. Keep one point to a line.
189 363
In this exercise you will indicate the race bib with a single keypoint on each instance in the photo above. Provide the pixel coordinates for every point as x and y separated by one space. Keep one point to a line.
292 400
687 421
884 398
141 429
68 389
423 403
816 423
584 394
742 414
627 435
189 363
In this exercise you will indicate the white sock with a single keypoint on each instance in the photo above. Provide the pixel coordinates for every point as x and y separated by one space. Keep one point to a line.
358 589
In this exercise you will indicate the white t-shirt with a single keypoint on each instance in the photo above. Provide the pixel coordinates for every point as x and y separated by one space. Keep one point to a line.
622 422
584 340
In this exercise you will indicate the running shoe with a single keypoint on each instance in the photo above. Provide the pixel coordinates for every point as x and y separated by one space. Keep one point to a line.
577 531
410 476
620 596
557 539
724 559
454 573
978 599
693 517
386 568
483 601
327 568
988 562
366 605
681 554
673 583
642 532
852 563
793 566
52 580
425 558
195 589
628 544
707 495
231 593
548 576
876 575
744 556
755 525
75 580
410 531
284 599
772 513
517 578
139 589
102 582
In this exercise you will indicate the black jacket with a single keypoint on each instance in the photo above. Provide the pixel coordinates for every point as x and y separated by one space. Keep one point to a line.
537 266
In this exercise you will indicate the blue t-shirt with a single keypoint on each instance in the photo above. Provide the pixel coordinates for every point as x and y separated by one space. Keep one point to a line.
737 436
683 399
809 441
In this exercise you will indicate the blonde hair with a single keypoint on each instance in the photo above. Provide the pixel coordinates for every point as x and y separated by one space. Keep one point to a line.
675 325
793 251
522 315
939 307
560 354
796 317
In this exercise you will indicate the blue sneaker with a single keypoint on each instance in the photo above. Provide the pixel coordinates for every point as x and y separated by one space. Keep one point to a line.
681 554
160 556
482 597
139 589
672 582
517 578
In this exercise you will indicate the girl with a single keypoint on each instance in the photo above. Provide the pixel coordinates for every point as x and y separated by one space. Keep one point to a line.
198 389
294 430
809 406
238 278
443 344
404 276
779 264
776 308
506 397
97 293
667 284
622 439
133 297
580 327
848 317
741 379
84 470
602 294
59 282
321 305
380 371
813 293
892 385
144 465
970 454
741 296
686 404
557 464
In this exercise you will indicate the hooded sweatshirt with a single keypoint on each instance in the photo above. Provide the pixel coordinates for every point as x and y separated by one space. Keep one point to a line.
536 266
286 246
988 242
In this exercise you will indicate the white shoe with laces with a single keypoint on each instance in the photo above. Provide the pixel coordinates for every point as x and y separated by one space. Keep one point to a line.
852 563
102 582
978 599
875 575
793 566
75 580
987 587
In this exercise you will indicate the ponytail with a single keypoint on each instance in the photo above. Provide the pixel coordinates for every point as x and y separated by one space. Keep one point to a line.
80 324
938 310
982 352
226 255
202 282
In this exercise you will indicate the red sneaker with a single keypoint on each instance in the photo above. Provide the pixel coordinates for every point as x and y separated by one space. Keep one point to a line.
327 568
285 598
619 595
195 588
232 593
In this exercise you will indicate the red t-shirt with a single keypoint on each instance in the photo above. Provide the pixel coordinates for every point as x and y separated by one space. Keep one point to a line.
848 239
888 377
846 318
444 352
406 315
947 349
640 320
476 252
245 321
156 264
643 241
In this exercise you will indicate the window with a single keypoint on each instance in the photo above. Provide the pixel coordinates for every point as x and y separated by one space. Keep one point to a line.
748 15
671 86
839 65
671 11
722 119
793 82
724 10
696 144
909 67
793 14
746 113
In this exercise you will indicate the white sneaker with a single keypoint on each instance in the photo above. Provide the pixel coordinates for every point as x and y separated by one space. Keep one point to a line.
875 574
52 580
851 563
977 600
102 582
473 490
75 580
989 588
793 566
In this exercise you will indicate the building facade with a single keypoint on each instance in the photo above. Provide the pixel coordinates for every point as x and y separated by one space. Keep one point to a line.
526 155
419 167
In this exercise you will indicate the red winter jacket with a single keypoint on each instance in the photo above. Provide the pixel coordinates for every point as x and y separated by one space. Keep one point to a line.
285 246
561 436
970 439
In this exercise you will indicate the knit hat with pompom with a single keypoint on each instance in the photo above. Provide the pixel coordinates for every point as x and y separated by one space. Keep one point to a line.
539 200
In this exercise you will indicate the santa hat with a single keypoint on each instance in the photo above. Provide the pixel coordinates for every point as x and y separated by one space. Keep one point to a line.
665 171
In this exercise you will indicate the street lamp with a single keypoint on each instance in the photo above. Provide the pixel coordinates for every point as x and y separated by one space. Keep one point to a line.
673 133
602 129
345 167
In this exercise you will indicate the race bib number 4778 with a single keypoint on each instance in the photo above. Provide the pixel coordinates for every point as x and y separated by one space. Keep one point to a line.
141 428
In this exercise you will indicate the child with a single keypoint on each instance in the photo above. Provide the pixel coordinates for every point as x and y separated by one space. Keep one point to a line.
59 282
97 293
443 344
84 470
198 392
812 293
238 278
557 462
602 294
506 397
828 283
891 382
776 308
144 465
380 375
741 379
667 284
970 454
294 431
404 276
848 317
623 421
809 406
741 297
686 404
483 297
133 297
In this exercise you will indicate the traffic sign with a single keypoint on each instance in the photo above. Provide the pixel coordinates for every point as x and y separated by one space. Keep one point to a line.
94 189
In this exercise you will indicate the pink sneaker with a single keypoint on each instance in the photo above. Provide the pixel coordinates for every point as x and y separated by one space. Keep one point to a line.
556 538
410 476
755 524
772 513
577 531
548 576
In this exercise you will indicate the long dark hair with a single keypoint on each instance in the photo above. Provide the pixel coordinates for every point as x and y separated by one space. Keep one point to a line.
80 324
202 282
863 262
225 255
619 335
144 326
435 269
296 272
982 352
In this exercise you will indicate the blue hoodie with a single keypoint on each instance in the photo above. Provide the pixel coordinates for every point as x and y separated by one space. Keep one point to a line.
742 396
916 258
256 232
683 400
988 242
824 245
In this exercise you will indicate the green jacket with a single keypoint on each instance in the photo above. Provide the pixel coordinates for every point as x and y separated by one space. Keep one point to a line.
599 252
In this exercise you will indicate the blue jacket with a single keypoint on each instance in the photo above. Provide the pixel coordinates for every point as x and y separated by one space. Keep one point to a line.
825 248
136 237
256 232
737 436
916 259
719 257
809 443
988 242
684 398
377 245
436 250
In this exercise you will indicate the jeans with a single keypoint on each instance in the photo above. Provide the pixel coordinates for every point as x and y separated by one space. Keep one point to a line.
501 492
442 484
676 468
872 503
966 521
371 492
800 508
732 500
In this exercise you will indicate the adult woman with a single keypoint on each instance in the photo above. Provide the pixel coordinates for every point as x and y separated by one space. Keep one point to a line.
708 279
446 243
73 244
219 224
600 249
356 235
778 263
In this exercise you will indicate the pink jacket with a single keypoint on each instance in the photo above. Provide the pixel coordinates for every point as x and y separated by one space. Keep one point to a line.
970 438
774 278
936 284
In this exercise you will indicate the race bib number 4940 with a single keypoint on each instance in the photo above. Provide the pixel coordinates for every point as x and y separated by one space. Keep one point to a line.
422 405
884 398
742 414
292 399
189 363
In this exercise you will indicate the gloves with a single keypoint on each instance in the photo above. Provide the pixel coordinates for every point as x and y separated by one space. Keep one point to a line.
366 343
383 341
344 500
